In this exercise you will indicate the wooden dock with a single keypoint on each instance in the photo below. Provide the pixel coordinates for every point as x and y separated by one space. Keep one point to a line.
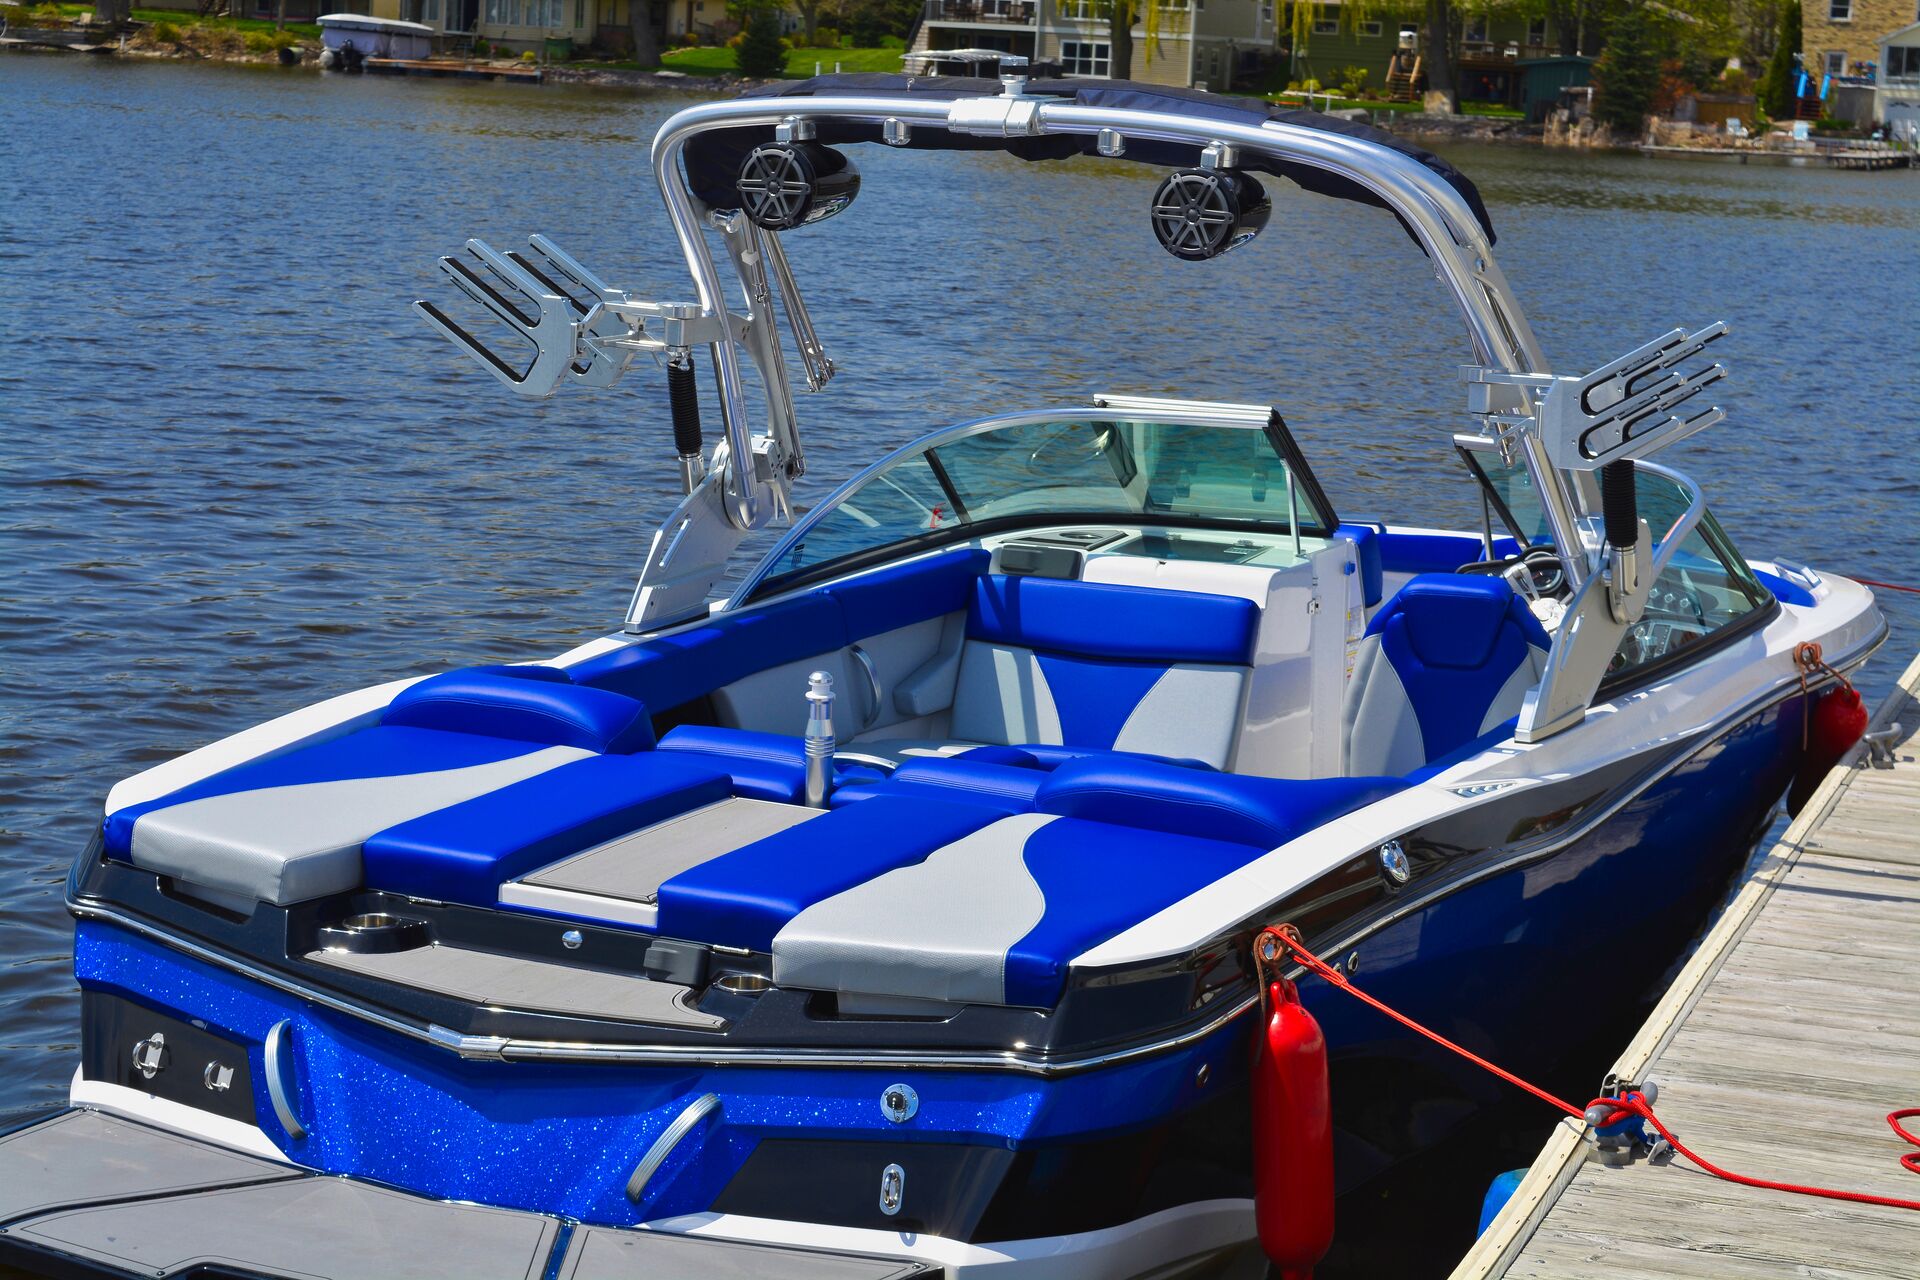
451 69
1778 1051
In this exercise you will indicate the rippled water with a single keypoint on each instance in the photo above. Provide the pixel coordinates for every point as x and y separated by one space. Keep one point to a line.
238 475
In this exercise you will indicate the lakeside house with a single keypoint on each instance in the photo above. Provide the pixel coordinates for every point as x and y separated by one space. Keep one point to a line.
527 24
1843 37
1213 44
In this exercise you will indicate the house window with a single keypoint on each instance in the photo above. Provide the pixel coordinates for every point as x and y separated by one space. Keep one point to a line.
1903 62
1474 30
1370 29
1537 33
1084 57
1836 62
1839 10
1326 21
1266 12
1079 10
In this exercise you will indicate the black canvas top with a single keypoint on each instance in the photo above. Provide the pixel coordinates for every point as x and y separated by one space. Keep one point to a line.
713 157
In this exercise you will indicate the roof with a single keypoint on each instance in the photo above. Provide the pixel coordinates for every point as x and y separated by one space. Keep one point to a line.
713 157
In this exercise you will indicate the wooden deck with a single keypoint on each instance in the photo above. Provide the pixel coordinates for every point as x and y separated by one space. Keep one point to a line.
1779 1050
454 69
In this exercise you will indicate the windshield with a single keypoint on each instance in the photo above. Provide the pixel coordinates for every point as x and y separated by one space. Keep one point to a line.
1070 468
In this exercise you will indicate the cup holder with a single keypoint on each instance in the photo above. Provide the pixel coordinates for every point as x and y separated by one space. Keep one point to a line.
743 984
374 932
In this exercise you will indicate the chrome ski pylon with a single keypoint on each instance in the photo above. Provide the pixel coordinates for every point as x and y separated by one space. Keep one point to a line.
581 328
1622 410
1613 418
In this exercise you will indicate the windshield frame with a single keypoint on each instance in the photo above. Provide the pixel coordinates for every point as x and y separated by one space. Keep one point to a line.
762 581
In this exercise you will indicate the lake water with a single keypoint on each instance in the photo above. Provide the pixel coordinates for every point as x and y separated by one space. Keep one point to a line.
238 475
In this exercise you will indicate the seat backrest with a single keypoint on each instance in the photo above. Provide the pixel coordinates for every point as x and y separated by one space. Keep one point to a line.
1446 660
1085 664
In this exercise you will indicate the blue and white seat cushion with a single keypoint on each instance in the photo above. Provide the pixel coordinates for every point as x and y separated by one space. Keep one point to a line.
1102 667
1448 659
291 827
996 916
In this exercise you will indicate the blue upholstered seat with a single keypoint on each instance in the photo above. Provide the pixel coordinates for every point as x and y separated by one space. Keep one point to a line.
1092 666
292 827
743 898
996 915
464 852
1446 660
1151 796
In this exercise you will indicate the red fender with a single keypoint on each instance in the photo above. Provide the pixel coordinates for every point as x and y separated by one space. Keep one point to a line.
1835 721
1292 1136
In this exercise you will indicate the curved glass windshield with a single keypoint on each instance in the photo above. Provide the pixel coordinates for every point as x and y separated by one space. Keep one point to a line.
1704 587
1070 468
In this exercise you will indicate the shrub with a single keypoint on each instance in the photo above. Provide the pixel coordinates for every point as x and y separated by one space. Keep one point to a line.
1353 82
166 33
687 39
826 38
529 56
761 52
1776 83
867 24
47 15
1626 77
270 41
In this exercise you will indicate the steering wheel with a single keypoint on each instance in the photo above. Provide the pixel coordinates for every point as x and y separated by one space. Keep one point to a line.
1543 564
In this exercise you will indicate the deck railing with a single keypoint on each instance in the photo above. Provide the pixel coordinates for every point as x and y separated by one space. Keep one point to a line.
1017 13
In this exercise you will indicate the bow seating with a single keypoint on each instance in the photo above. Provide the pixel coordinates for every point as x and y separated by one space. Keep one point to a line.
467 777
1447 660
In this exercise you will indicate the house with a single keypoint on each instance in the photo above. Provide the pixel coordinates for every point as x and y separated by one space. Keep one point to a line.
1843 37
1486 68
1896 96
1212 44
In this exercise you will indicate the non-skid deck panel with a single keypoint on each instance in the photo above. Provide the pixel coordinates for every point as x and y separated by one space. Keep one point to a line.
1778 1052
634 867
484 977
88 1156
331 1227
598 1253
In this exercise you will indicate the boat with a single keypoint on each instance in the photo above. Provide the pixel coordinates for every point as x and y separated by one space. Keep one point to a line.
886 906
347 40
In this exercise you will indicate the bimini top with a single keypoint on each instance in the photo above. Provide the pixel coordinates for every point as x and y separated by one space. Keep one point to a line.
713 156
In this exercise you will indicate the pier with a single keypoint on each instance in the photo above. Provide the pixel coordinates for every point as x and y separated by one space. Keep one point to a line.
1779 1050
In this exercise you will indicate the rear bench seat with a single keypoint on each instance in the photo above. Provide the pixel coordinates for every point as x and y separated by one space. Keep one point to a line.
468 778
1054 670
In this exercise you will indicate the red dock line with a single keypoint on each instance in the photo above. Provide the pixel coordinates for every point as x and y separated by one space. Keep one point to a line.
1620 1108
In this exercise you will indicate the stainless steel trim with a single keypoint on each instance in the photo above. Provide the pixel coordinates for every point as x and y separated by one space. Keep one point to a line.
276 1064
670 1137
498 1048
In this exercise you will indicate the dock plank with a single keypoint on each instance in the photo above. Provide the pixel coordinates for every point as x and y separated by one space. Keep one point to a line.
1779 1050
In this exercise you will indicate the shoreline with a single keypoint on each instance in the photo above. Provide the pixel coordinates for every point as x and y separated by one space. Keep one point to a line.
228 46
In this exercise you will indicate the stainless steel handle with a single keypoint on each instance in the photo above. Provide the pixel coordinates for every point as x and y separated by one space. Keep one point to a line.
678 1128
278 1042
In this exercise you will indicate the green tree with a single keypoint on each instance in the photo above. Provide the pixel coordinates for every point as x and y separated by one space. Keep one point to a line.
761 54
1627 75
1776 86
646 35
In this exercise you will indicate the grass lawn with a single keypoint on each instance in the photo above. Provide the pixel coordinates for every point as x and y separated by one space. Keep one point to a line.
718 61
185 18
